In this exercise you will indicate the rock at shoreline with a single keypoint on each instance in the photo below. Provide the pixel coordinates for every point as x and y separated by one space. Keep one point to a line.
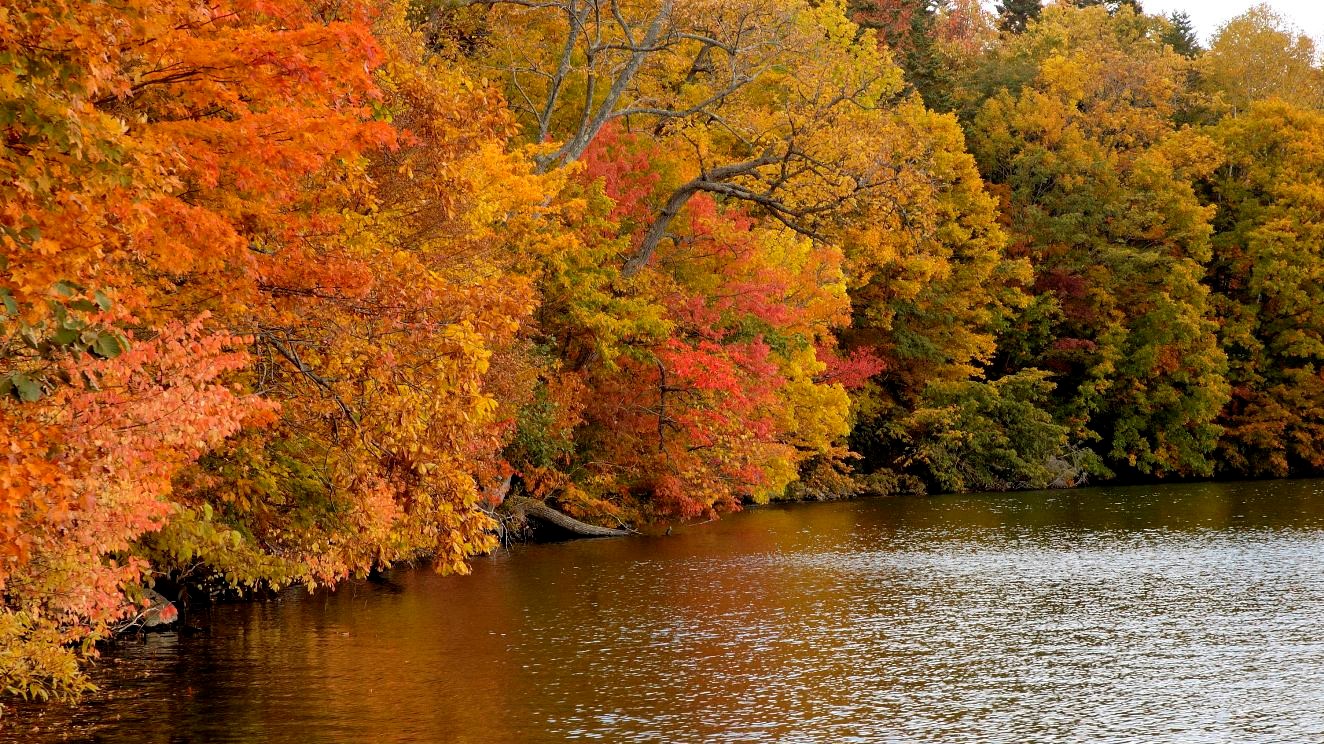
158 612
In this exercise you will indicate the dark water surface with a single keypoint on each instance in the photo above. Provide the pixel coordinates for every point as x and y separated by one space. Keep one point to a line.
1171 614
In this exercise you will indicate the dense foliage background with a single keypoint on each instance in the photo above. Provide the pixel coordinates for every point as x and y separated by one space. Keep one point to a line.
295 289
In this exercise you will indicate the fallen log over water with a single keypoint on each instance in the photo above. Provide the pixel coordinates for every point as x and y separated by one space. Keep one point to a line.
538 510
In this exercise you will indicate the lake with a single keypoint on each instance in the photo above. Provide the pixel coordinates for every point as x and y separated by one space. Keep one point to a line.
1183 613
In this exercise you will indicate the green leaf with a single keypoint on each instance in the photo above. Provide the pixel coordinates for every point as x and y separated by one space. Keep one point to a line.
65 336
108 346
28 389
103 301
86 306
7 299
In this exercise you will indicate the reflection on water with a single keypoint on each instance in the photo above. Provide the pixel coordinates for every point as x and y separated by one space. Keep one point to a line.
1172 614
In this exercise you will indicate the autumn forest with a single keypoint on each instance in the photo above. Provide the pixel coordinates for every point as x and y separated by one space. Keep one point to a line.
294 290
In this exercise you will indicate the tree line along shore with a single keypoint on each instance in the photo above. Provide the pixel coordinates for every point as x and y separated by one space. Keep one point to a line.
292 290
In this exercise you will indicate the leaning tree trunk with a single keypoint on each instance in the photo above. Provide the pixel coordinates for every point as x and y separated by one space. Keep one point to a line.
538 510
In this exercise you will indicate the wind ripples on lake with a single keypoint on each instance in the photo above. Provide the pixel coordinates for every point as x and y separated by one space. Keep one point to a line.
1175 614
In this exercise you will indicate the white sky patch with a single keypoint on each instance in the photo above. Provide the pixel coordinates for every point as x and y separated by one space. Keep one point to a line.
1209 15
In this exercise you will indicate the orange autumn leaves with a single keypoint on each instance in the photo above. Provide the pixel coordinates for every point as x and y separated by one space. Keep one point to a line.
197 245
147 132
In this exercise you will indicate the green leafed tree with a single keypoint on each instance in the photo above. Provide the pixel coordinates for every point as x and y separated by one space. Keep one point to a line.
994 436
1095 181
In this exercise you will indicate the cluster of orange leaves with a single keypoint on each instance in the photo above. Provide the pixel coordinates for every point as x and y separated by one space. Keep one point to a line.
300 232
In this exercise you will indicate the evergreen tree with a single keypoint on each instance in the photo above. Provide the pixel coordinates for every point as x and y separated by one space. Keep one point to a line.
1112 5
908 28
1015 15
1180 35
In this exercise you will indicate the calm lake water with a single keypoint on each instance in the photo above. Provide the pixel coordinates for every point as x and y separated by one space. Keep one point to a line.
1170 614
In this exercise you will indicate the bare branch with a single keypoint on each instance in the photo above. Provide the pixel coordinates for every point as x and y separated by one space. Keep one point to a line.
658 230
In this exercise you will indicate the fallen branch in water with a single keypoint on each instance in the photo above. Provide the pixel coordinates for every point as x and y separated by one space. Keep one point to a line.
539 510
